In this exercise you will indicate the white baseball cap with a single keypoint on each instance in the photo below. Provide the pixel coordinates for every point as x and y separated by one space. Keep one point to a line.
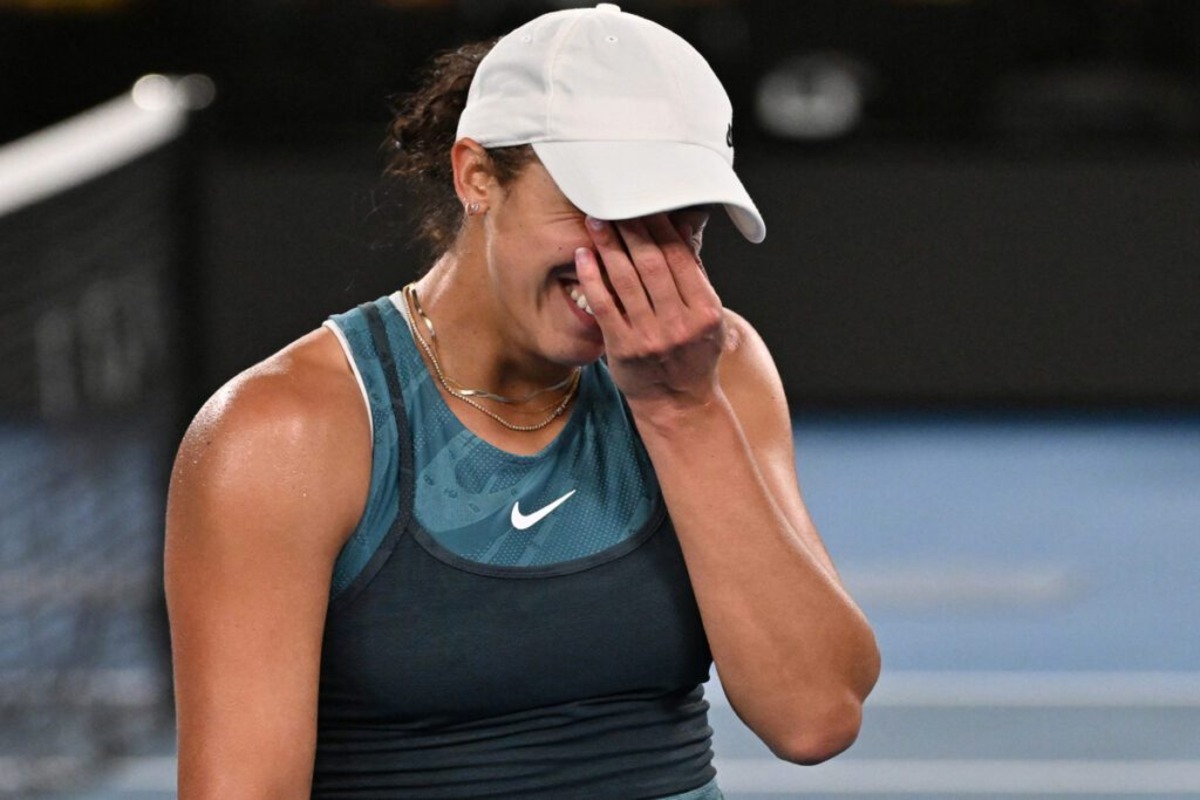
625 115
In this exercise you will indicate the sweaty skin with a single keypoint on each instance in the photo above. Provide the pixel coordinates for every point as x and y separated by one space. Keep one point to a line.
273 475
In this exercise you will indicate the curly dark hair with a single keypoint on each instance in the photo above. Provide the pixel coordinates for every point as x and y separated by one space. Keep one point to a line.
422 133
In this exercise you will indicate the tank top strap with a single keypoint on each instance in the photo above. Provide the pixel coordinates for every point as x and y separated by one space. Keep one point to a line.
391 370
364 333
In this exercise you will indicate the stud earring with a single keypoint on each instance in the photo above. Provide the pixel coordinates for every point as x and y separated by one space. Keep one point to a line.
472 209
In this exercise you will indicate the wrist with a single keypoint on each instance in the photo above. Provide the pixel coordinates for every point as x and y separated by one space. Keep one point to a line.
680 415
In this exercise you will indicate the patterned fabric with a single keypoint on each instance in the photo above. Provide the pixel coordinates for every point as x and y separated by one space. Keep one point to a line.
466 489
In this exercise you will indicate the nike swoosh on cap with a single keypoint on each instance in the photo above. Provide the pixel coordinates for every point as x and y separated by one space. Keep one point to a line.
522 521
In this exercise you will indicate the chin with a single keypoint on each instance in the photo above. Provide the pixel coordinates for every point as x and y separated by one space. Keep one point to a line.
580 352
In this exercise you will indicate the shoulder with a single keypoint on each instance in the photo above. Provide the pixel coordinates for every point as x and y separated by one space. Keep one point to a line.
268 483
302 400
288 433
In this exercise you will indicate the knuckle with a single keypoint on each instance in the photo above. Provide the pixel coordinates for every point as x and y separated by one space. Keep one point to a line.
649 348
680 251
624 282
652 267
599 304
680 332
711 318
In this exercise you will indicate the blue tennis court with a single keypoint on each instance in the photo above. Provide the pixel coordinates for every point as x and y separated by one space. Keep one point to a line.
1032 582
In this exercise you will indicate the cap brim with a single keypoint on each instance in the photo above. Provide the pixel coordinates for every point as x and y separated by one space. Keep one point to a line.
626 179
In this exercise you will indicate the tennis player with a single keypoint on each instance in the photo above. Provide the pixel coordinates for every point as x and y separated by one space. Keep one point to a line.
486 537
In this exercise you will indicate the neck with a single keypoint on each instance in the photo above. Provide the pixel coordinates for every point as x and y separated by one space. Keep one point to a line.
479 344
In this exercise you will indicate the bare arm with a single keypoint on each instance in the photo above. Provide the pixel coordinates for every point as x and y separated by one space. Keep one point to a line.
796 656
269 480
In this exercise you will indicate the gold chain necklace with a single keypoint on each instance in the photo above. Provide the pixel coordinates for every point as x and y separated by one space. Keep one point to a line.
415 303
455 389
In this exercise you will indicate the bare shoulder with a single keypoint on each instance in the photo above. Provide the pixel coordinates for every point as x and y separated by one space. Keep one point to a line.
270 479
288 433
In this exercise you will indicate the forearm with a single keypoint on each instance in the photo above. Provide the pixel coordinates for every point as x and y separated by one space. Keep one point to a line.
795 653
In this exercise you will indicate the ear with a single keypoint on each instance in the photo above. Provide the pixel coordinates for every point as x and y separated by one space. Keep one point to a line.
474 180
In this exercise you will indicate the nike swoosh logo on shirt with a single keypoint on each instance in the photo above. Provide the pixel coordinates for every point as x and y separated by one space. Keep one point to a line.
522 521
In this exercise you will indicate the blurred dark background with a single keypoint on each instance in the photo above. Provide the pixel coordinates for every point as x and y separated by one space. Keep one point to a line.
972 205
969 203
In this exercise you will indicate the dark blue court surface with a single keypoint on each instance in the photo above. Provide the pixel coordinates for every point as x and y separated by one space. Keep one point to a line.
1033 585
1044 544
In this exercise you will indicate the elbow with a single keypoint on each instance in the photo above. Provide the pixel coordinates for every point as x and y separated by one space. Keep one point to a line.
820 737
827 722
831 725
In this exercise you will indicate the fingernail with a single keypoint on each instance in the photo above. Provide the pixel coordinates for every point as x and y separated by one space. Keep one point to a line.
595 224
581 254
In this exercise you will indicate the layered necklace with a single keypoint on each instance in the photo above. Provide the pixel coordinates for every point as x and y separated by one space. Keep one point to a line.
467 395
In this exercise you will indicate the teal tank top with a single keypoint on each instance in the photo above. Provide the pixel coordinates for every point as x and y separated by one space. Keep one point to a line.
507 626
476 501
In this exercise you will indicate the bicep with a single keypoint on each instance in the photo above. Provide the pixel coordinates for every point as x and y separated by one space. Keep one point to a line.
750 379
251 538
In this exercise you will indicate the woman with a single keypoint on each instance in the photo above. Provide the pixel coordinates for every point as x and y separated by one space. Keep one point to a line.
440 548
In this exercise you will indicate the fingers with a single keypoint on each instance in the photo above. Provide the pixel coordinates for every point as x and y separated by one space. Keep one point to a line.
681 248
651 255
652 266
618 255
609 315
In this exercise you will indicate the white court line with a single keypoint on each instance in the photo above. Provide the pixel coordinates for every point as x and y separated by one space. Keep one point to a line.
849 775
960 586
155 774
1038 690
960 777
955 777
983 689
19 776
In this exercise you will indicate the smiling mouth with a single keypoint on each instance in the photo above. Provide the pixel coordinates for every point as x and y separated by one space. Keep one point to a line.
566 276
576 295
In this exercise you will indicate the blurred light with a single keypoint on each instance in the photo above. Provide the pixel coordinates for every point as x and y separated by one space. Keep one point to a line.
196 91
154 93
159 92
813 96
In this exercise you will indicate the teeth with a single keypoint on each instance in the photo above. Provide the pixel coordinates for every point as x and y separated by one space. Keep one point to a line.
580 300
